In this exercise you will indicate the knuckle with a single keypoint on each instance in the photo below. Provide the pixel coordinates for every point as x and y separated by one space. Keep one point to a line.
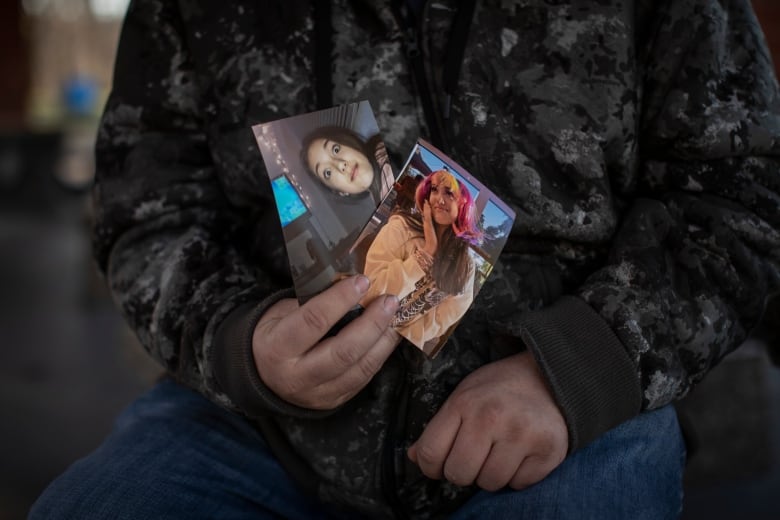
314 319
514 430
518 484
455 477
345 355
452 478
380 325
268 355
377 320
491 413
352 382
490 483
323 404
428 459
531 471
341 398
545 443
369 366
346 389
291 387
522 479
465 401
313 399
514 434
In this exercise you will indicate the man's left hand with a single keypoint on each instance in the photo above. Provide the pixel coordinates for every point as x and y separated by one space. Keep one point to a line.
500 427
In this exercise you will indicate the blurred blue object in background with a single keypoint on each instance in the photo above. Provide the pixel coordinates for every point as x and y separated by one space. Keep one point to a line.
80 95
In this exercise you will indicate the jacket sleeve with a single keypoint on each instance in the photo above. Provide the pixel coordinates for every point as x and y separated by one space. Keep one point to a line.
697 252
168 240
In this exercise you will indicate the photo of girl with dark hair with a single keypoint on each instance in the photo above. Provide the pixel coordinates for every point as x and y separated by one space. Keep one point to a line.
329 171
346 164
423 257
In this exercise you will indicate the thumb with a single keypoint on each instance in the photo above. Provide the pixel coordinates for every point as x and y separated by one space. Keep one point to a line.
411 452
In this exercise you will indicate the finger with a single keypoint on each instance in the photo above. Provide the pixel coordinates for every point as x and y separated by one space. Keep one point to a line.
468 454
303 328
302 380
360 347
533 469
340 389
500 466
431 449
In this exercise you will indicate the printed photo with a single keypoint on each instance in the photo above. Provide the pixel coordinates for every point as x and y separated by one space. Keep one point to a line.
329 171
432 242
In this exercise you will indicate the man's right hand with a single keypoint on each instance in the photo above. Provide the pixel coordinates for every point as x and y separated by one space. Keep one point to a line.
302 368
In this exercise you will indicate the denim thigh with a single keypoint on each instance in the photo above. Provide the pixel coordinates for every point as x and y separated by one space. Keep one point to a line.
174 454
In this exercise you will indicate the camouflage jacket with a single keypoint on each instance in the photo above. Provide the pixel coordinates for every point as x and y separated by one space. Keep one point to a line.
638 142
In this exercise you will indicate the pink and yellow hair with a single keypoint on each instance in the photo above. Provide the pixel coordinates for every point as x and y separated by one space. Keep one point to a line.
465 225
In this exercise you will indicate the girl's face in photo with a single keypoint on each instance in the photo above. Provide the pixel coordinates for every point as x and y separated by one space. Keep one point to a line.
340 167
444 198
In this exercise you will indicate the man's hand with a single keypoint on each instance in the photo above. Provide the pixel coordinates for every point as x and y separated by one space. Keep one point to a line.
321 375
500 427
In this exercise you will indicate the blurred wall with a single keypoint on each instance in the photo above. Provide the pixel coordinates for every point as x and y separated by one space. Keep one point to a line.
768 12
14 65
57 61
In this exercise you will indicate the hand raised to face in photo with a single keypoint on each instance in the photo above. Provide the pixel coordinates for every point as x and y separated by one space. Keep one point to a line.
429 231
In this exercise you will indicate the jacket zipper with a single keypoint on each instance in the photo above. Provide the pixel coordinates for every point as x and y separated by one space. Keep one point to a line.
323 45
416 57
395 430
436 100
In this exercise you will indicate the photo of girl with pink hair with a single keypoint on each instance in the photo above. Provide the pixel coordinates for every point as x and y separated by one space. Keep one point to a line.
423 257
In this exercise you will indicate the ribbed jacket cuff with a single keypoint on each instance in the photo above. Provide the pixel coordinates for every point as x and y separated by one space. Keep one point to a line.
589 372
234 364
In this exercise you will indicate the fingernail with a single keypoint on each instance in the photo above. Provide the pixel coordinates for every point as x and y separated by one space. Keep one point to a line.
391 303
361 283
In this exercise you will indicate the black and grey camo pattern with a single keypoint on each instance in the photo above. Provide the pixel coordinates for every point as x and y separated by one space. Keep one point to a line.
639 143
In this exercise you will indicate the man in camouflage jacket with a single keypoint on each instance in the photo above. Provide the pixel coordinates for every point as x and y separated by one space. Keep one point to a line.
638 142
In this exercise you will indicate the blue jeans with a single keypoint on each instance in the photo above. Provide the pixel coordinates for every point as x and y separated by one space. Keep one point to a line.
174 454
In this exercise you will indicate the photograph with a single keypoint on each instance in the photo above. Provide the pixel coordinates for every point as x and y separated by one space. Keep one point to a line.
329 171
432 242
210 269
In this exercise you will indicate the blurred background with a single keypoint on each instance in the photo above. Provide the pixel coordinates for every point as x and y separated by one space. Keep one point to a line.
68 364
